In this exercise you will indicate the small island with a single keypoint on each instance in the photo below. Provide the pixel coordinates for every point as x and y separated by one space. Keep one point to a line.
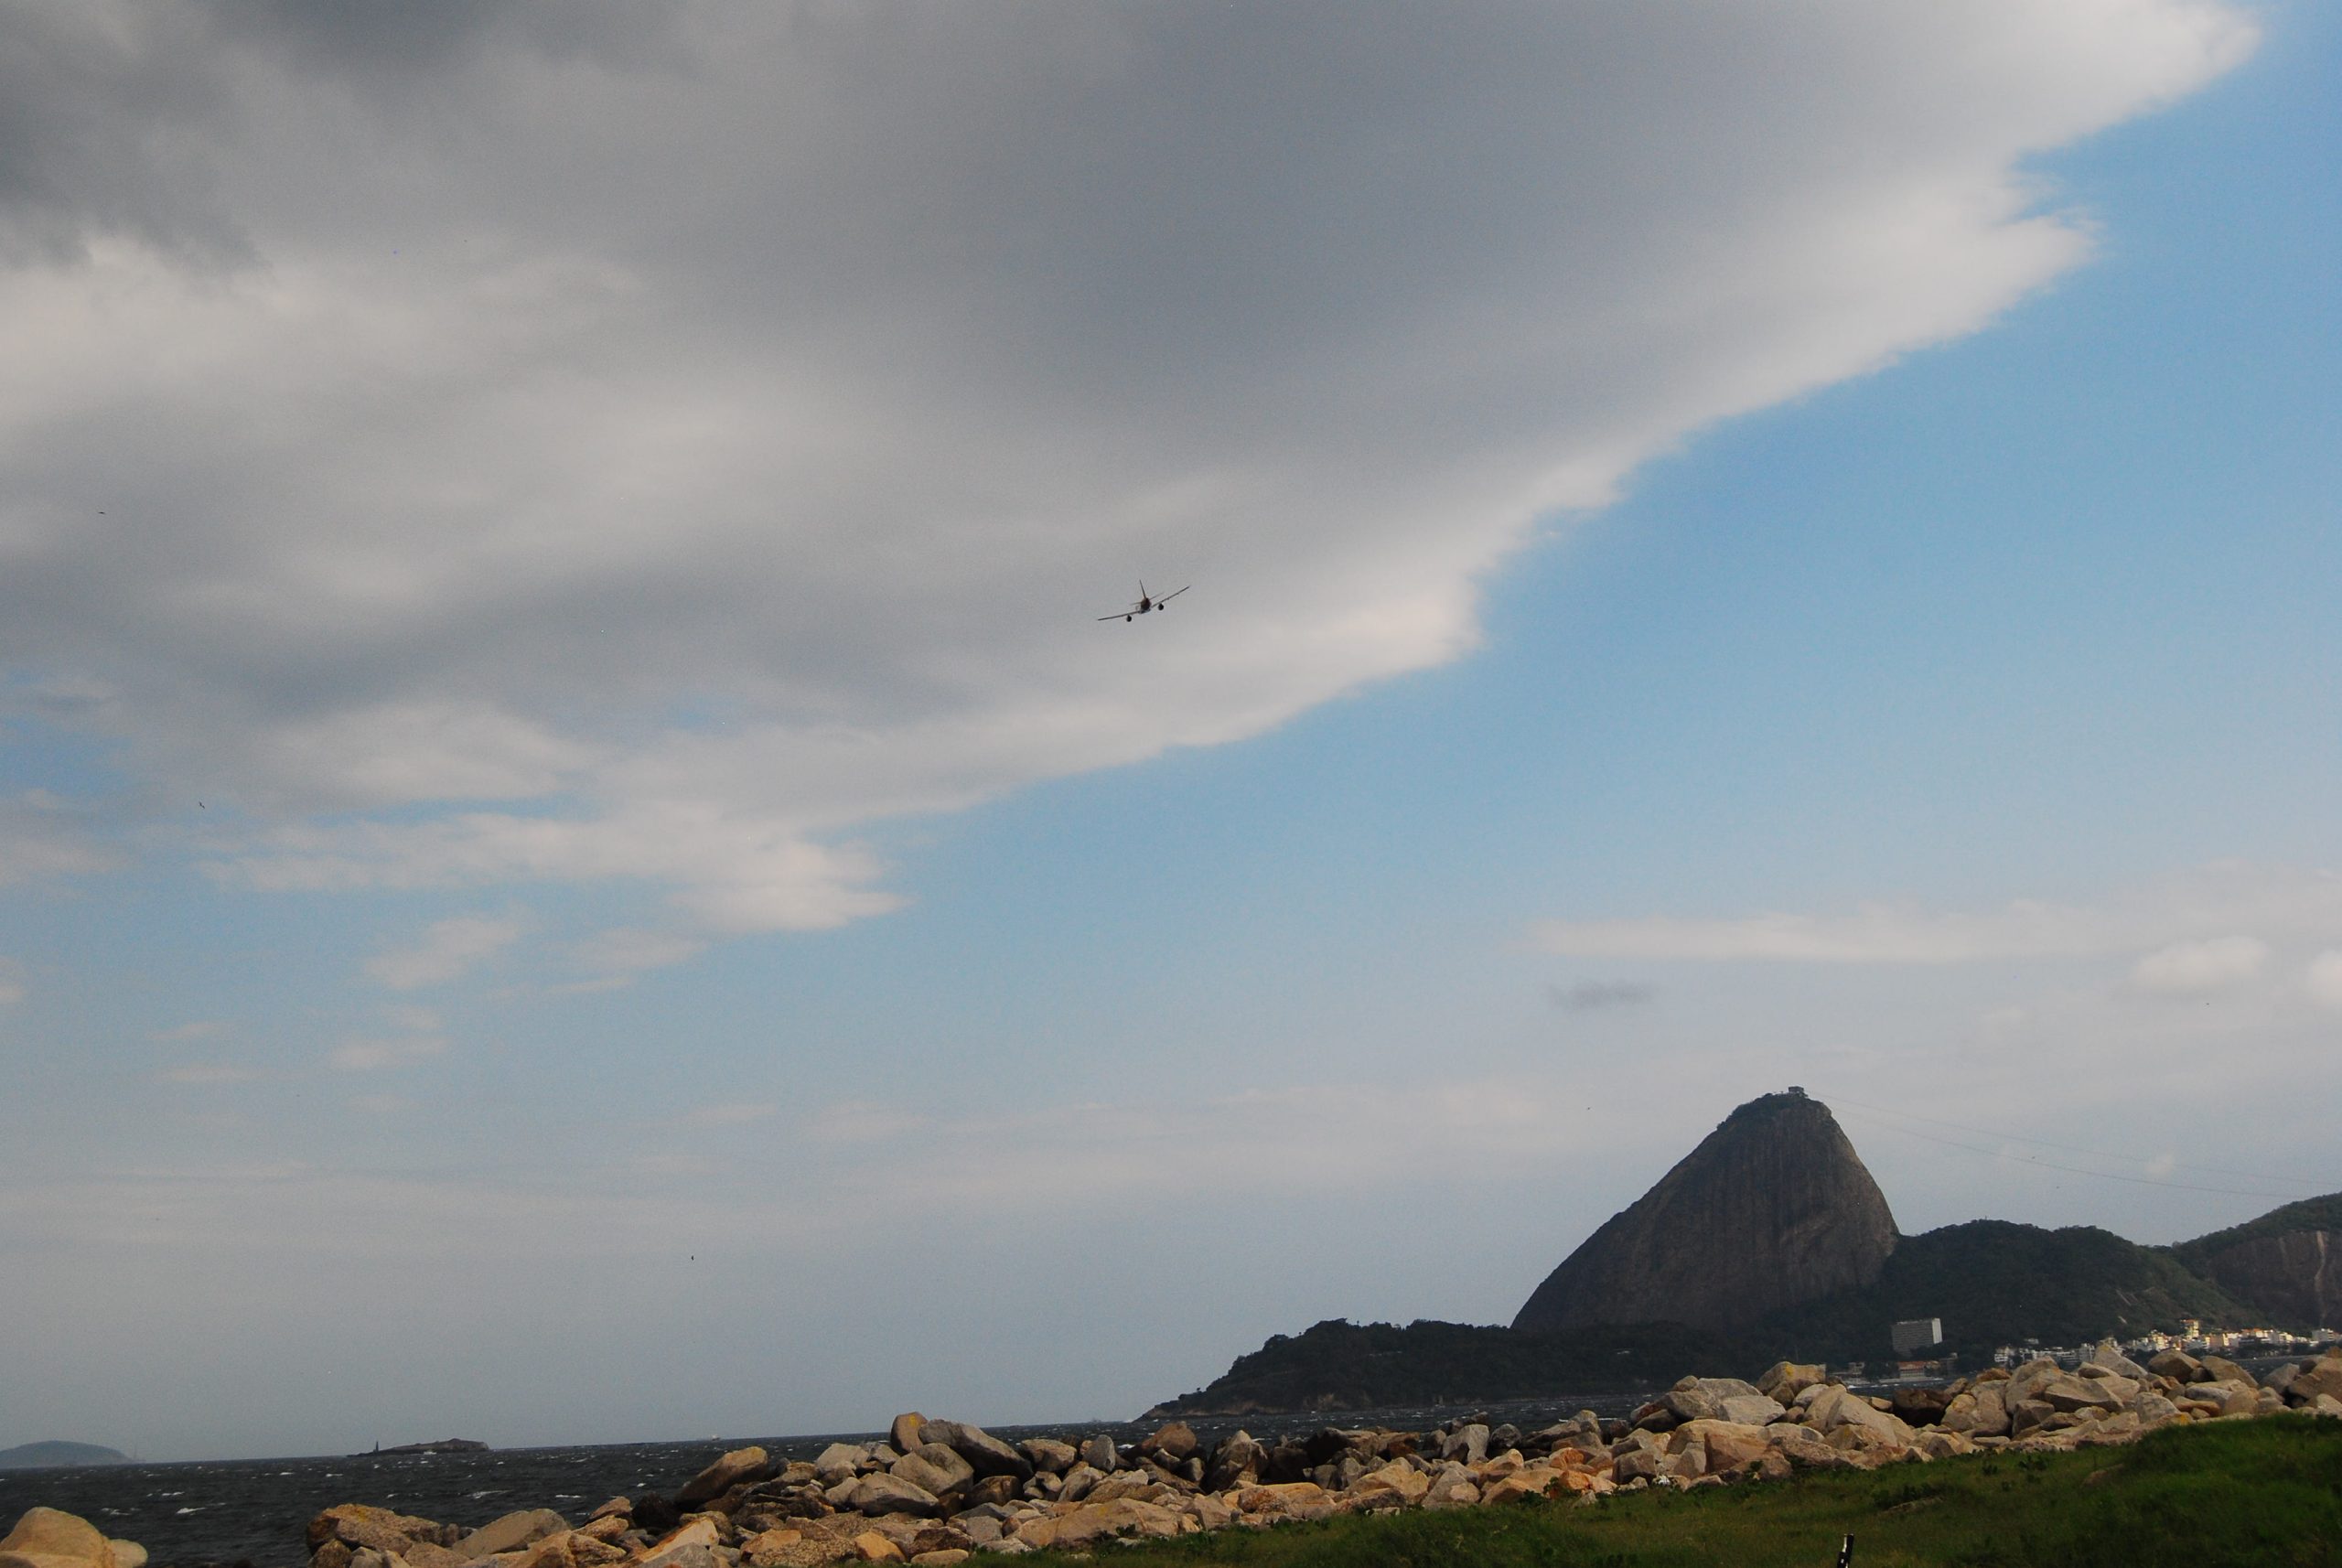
59 1455
444 1445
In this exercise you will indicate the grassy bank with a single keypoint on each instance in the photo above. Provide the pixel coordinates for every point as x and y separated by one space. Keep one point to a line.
2257 1493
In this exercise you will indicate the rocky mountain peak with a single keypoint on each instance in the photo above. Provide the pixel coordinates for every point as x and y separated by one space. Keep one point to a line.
1772 1210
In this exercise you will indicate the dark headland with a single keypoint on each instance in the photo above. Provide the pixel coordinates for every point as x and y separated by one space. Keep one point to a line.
1771 1241
59 1455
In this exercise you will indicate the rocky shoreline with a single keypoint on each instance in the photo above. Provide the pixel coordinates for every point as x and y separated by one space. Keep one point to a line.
937 1492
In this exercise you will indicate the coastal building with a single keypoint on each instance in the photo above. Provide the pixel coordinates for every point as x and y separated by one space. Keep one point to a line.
1917 1334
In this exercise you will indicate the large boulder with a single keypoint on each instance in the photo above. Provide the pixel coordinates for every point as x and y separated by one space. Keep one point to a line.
1049 1456
691 1544
1236 1461
934 1468
1784 1381
422 1543
51 1538
1979 1413
511 1533
1171 1441
987 1454
1398 1478
840 1462
2322 1376
741 1465
1726 1445
884 1493
1096 1521
1836 1408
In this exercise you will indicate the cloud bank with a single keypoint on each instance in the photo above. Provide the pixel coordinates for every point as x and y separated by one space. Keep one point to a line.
470 448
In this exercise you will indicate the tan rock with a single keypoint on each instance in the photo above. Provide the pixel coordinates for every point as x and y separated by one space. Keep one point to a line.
883 1493
1528 1481
2322 1377
2233 1398
1288 1499
904 1431
1728 1445
1091 1521
872 1547
739 1465
1803 1446
769 1548
934 1468
332 1554
2176 1365
691 1544
52 1535
1836 1407
357 1524
2078 1393
510 1532
1784 1381
1173 1441
2227 1371
840 1462
1941 1443
1399 1478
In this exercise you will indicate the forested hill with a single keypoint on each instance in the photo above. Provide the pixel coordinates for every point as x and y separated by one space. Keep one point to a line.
1338 1365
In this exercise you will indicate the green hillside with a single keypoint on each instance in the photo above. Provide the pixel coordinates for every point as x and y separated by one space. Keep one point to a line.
1337 1365
2309 1213
1995 1283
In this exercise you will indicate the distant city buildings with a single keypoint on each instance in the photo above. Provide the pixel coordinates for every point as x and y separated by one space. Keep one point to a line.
2192 1340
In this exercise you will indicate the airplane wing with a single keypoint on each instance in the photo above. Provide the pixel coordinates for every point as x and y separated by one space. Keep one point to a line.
1119 615
1172 594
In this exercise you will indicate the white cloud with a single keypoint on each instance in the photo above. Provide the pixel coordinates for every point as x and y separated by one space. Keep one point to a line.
2324 979
696 538
40 838
732 1115
380 1055
2188 920
623 952
448 949
209 1072
862 1122
2212 963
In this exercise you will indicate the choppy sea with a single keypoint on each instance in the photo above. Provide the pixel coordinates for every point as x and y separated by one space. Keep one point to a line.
223 1511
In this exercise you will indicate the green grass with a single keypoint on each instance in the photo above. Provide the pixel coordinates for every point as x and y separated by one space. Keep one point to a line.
2266 1494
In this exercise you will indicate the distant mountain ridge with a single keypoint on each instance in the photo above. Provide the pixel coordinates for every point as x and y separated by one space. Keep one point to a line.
59 1455
1771 1240
2288 1263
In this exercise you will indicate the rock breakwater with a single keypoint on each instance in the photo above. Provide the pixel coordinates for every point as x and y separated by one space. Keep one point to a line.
937 1492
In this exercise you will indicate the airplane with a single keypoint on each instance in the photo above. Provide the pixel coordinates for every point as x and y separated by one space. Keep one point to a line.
1146 603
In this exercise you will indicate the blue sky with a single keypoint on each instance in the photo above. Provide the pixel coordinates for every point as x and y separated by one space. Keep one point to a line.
679 865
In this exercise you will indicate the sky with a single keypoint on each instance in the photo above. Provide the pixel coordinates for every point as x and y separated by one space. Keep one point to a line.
576 865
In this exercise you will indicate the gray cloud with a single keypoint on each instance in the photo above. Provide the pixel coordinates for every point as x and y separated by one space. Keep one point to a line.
1595 995
652 449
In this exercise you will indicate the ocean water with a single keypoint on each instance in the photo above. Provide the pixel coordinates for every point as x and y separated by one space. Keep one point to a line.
254 1510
